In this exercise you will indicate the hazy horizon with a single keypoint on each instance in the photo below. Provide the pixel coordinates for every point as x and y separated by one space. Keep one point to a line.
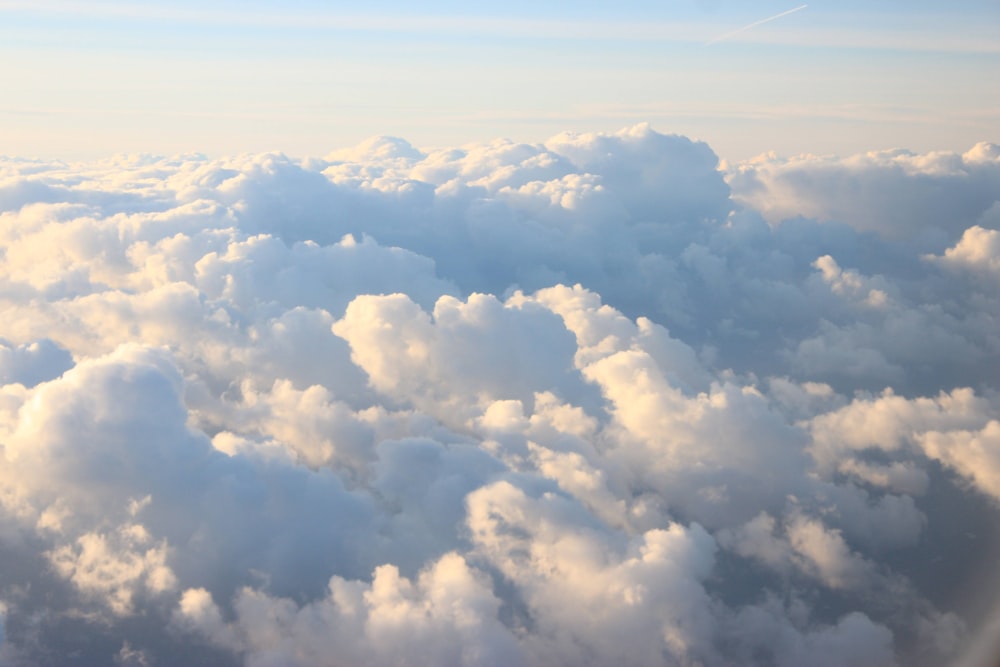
88 79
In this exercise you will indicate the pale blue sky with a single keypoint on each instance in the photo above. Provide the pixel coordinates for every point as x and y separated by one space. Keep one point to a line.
87 79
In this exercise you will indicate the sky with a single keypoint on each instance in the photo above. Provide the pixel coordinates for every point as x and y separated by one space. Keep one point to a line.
90 79
664 335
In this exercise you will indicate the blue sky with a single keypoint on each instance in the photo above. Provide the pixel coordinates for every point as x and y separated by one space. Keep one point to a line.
84 79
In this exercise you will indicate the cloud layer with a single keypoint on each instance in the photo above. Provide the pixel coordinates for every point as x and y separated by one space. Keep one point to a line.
586 402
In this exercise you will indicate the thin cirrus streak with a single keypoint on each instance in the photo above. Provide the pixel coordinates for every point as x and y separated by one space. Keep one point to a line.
722 38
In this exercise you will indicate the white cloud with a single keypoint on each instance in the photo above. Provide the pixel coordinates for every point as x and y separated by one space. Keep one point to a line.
977 250
923 199
973 454
888 421
566 403
114 567
635 601
445 616
461 355
825 553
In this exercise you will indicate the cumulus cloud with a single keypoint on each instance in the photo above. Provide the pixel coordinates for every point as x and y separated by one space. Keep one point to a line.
922 199
597 400
112 568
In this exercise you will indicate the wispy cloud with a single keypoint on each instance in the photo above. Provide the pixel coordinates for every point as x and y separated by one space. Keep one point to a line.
722 38
692 32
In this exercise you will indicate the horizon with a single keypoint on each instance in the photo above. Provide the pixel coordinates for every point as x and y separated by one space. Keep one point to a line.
85 80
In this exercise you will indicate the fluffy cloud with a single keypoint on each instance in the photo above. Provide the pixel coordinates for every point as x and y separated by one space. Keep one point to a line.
592 401
446 616
920 199
112 568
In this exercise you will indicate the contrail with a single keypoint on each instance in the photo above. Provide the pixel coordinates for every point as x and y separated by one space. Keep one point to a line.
754 25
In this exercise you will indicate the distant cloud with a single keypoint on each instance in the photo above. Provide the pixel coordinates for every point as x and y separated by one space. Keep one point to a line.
928 199
582 402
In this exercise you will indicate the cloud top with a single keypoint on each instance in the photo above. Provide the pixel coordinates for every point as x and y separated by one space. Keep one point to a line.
588 401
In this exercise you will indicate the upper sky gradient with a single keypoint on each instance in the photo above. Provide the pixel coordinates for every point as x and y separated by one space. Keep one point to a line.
88 79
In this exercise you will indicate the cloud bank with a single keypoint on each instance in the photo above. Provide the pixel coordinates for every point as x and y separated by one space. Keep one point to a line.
593 401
